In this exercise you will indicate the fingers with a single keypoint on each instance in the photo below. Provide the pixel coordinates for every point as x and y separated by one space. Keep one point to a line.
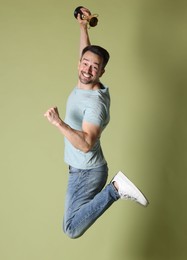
79 18
56 109
50 111
86 11
52 116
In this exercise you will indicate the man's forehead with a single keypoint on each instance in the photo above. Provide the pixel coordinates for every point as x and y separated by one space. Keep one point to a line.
90 56
90 60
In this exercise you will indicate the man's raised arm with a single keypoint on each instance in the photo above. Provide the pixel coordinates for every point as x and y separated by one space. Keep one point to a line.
84 36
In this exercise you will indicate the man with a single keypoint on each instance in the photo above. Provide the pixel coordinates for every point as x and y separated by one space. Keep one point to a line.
87 115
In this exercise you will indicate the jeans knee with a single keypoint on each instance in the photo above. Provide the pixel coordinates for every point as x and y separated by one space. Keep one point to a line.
71 233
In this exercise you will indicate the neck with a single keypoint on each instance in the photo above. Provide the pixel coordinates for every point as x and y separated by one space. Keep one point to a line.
93 86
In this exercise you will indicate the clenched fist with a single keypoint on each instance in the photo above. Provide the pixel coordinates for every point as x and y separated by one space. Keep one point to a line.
52 115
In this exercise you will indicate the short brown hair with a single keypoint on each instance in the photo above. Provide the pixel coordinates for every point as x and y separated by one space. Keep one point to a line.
100 51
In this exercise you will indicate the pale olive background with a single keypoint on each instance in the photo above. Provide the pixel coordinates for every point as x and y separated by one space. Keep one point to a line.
39 43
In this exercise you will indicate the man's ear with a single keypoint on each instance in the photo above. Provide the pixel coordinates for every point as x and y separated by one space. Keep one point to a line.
102 72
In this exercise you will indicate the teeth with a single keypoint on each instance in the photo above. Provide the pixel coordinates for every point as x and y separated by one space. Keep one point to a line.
86 75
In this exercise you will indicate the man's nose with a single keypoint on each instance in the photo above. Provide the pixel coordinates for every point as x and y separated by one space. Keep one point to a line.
89 69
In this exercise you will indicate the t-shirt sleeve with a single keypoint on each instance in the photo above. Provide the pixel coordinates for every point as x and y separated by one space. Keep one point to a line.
95 115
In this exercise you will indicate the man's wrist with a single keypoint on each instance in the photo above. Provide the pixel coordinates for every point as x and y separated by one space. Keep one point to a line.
84 27
59 123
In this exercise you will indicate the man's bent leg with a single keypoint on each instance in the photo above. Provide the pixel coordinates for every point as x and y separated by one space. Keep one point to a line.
85 199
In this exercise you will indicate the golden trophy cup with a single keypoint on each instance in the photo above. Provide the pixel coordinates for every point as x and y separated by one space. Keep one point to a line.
91 19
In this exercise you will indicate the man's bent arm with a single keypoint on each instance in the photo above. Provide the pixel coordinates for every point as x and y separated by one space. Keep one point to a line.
83 140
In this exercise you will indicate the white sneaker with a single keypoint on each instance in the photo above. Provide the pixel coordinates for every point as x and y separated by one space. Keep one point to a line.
127 190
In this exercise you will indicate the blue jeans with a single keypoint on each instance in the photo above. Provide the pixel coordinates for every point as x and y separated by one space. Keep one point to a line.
86 200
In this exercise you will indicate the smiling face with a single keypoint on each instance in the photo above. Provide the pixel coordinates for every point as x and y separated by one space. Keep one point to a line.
90 69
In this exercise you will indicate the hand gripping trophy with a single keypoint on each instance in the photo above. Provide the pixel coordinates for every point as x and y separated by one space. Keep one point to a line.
91 18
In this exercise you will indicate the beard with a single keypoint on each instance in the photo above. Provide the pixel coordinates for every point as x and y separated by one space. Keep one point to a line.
86 78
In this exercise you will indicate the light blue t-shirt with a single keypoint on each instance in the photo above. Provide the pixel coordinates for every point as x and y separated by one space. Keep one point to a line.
92 106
